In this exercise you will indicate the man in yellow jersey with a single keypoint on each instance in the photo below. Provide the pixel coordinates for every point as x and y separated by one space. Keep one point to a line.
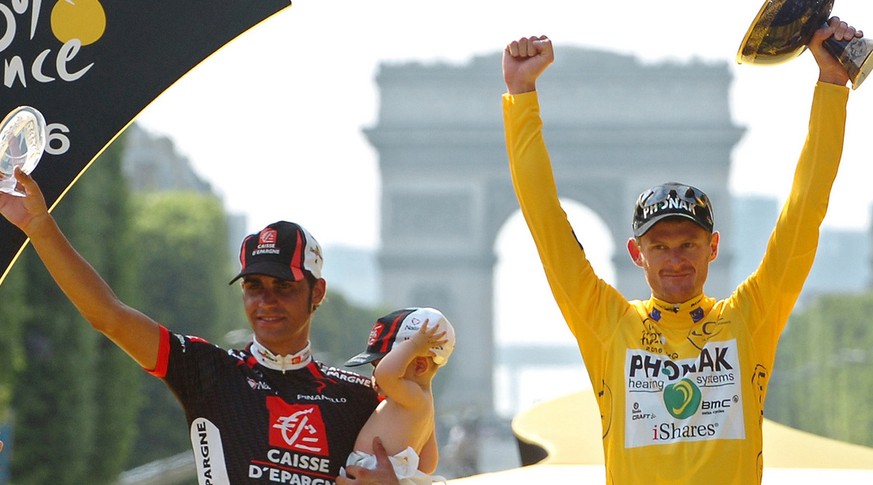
680 378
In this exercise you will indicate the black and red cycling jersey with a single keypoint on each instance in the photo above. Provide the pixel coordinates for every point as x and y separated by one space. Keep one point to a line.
252 424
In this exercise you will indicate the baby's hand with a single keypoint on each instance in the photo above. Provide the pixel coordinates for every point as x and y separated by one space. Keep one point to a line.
428 338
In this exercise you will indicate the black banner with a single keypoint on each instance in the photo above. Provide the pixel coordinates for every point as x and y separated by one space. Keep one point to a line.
92 66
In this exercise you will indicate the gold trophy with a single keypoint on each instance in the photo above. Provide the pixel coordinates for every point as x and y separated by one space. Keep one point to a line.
783 29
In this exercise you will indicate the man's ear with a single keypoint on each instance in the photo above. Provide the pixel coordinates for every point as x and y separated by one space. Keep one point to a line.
633 249
319 289
713 246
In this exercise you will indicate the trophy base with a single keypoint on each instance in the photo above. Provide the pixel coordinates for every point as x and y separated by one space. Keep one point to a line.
857 59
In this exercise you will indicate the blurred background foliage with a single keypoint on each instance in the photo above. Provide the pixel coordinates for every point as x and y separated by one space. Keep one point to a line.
823 378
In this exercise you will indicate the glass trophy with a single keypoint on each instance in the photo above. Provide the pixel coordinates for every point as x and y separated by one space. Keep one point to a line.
22 143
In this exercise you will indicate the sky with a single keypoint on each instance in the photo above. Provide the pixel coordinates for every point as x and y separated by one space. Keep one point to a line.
297 91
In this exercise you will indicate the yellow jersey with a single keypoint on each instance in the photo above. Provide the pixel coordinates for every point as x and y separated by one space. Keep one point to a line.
681 387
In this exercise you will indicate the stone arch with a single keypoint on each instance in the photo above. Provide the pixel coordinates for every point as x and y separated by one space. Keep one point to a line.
614 126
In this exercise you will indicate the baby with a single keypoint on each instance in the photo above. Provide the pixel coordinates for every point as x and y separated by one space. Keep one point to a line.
407 348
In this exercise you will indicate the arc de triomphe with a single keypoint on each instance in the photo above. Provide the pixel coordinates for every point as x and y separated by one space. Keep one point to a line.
614 127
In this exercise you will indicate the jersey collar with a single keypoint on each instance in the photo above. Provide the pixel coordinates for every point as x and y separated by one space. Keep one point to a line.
691 311
281 362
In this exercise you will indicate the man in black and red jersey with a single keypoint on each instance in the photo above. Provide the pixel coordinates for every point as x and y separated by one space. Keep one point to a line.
267 414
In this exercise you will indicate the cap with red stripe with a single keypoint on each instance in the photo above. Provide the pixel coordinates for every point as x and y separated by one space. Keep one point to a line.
282 250
401 325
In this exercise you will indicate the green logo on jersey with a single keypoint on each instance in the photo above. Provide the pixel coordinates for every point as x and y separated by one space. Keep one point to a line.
682 398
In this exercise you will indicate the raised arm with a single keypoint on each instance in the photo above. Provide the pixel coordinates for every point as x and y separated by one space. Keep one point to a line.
774 288
134 332
830 70
523 62
587 303
392 370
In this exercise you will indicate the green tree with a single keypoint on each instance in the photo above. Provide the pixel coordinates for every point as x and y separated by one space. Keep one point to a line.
107 243
184 271
64 412
54 393
14 312
823 377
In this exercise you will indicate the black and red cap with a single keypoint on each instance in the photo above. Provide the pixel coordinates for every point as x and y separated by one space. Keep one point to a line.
282 250
401 325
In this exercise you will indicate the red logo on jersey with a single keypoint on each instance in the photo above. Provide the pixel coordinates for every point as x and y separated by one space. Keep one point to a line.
297 427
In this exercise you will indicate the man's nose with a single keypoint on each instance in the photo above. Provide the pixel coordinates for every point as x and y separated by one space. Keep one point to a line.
676 256
268 297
